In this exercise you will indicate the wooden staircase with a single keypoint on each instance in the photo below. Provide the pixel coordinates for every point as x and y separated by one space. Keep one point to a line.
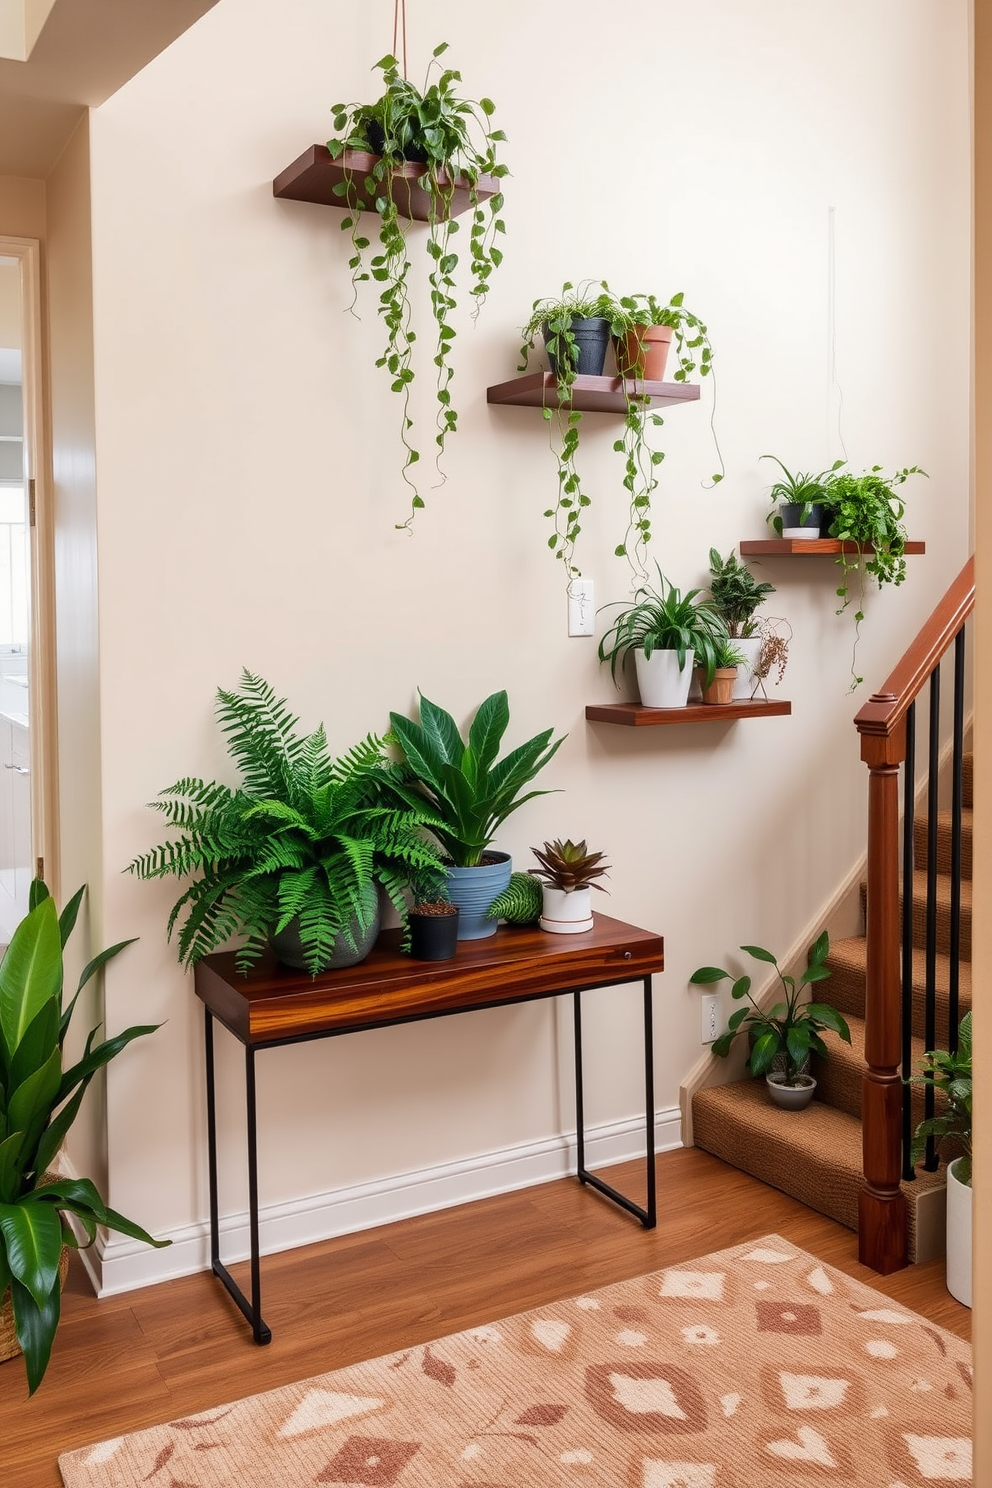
816 1155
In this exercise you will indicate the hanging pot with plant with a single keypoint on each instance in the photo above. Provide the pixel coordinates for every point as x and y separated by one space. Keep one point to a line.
446 143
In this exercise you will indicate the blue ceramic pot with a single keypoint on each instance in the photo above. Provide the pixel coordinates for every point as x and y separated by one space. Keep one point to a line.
474 889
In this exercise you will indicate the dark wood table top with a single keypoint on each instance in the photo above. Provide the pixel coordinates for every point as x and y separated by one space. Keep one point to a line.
273 1002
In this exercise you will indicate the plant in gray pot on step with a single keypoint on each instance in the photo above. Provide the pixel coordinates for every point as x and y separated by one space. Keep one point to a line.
469 792
296 855
781 1037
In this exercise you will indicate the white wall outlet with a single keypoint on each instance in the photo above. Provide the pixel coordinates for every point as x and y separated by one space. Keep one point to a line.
712 1016
581 608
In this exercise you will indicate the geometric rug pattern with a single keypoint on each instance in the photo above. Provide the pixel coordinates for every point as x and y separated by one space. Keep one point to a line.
756 1367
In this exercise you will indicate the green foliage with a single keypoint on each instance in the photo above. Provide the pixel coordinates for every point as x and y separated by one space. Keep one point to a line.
39 1100
664 619
569 865
801 489
452 138
553 318
728 656
789 1030
304 837
520 903
470 791
736 593
951 1075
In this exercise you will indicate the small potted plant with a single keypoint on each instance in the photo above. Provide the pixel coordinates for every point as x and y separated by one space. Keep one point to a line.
520 903
433 929
799 501
40 1096
295 856
450 142
781 1037
774 635
737 594
728 661
469 792
666 632
950 1074
568 874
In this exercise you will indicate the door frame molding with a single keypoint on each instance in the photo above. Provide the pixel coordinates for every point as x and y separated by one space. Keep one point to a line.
43 695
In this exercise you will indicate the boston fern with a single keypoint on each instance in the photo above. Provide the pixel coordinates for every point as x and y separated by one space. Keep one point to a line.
451 138
304 837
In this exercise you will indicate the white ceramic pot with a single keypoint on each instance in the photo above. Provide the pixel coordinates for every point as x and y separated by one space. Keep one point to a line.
659 680
791 1097
750 649
567 914
958 1236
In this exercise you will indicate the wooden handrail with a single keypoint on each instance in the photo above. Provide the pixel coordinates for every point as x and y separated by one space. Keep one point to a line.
881 723
885 709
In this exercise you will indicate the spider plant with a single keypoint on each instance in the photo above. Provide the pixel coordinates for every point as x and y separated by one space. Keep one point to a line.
665 619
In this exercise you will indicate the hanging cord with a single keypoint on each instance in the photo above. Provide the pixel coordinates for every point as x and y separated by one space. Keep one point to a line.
833 384
399 10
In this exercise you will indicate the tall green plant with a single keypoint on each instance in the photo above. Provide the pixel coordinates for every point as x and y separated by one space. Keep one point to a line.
452 138
304 837
665 619
39 1101
950 1073
470 790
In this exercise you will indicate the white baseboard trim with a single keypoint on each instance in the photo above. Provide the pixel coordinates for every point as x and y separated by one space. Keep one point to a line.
119 1264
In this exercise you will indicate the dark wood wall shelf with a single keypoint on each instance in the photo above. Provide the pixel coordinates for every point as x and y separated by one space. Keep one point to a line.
803 547
589 394
313 176
633 715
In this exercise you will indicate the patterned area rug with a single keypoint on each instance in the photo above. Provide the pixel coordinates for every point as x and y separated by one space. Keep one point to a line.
757 1367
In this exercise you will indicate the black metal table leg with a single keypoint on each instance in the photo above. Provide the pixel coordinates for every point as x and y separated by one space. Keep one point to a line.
649 1215
252 1310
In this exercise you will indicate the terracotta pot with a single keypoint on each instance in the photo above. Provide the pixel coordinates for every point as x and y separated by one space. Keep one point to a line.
643 353
721 689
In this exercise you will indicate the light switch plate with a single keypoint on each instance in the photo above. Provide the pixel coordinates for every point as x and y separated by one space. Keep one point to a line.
581 608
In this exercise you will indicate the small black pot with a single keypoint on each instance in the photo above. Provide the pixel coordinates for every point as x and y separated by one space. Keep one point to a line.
433 937
818 517
592 338
377 139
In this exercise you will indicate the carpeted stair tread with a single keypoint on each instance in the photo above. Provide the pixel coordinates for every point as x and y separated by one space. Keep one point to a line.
846 987
839 1078
943 897
968 780
944 834
812 1155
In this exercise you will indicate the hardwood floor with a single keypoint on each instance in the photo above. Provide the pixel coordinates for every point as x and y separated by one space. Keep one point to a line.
166 1351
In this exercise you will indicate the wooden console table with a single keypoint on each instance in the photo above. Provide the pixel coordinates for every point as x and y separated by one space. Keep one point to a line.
274 1005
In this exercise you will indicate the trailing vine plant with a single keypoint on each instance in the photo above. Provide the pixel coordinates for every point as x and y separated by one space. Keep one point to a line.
451 139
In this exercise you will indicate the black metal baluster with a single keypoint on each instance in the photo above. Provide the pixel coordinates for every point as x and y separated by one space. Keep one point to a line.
930 1010
957 807
908 865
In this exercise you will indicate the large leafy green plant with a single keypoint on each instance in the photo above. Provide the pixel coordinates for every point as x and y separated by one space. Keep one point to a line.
39 1100
452 139
304 838
788 1031
665 619
469 789
950 1073
736 593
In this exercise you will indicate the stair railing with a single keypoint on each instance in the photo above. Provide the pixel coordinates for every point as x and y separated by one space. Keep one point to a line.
887 726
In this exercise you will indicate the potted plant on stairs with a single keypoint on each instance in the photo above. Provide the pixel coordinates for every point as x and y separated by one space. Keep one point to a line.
781 1037
40 1097
950 1074
469 792
568 872
295 856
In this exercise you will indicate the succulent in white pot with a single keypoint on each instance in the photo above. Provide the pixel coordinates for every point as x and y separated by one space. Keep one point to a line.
568 874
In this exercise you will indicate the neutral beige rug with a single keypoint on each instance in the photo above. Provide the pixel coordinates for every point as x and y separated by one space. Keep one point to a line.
757 1367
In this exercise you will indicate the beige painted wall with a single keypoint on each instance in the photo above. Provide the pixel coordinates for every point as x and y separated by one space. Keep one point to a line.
249 488
10 305
22 207
75 563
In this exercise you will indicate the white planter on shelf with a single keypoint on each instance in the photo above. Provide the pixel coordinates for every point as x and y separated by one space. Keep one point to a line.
958 1236
750 649
567 914
660 682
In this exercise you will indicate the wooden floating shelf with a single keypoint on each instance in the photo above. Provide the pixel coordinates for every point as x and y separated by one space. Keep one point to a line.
809 547
633 715
314 175
588 394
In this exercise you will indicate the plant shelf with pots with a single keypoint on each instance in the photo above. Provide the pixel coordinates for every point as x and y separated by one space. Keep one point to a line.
589 394
313 176
810 547
635 715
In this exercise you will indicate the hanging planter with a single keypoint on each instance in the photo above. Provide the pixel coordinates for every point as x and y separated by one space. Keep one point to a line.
431 149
